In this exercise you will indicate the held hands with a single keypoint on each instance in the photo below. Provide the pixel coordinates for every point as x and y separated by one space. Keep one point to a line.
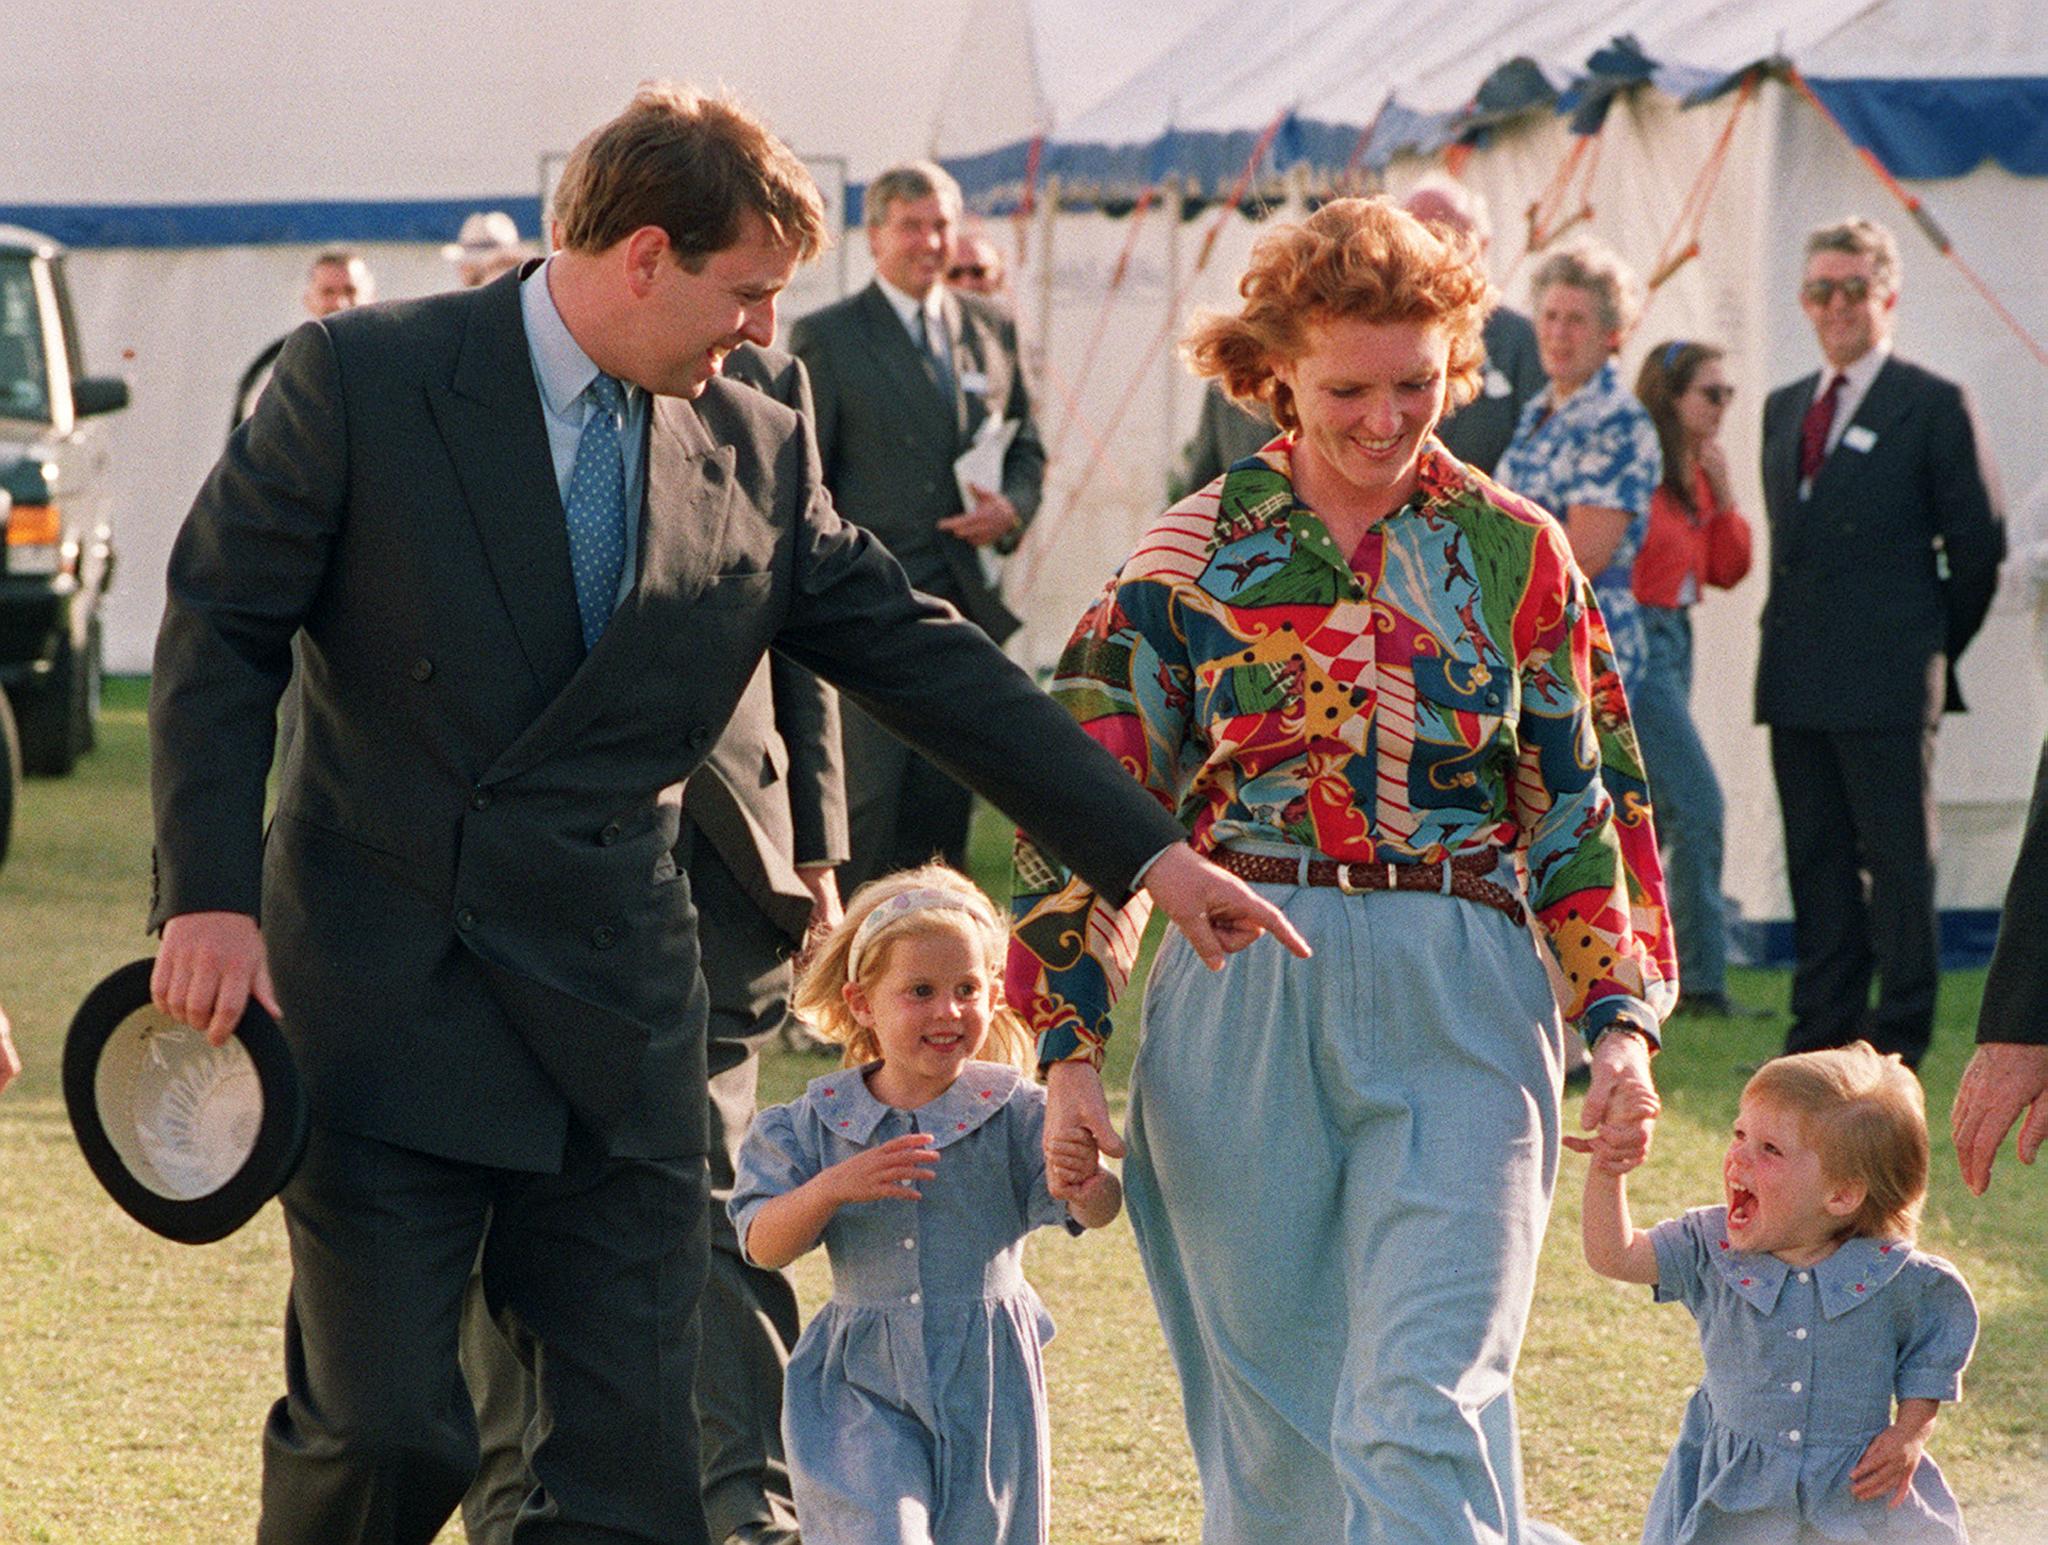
1621 1106
210 966
1078 1131
992 518
1218 912
1887 1466
10 1060
2003 1081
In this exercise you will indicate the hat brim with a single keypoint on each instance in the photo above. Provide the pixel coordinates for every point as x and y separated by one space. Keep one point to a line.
171 1167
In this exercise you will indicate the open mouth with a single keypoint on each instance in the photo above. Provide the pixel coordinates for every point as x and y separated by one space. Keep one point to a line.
944 1042
1741 1208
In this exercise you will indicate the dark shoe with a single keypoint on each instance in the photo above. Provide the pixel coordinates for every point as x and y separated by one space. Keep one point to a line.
1716 1005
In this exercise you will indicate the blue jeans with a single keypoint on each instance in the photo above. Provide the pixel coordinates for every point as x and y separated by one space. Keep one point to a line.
1340 1173
1687 798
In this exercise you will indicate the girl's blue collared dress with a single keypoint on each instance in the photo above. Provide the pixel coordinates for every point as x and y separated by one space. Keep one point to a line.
1802 1366
914 1408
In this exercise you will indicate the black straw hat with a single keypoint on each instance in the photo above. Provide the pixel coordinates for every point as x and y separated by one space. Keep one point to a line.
190 1139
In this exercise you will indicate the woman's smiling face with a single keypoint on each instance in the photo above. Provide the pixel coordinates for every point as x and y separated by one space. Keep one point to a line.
1368 394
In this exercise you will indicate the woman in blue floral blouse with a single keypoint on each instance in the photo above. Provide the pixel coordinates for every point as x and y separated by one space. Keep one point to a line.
1373 683
1586 449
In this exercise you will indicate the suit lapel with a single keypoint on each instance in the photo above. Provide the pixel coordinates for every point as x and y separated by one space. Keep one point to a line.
1882 406
915 377
969 357
1783 473
489 416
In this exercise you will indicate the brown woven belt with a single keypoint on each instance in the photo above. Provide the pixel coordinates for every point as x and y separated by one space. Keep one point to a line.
1468 876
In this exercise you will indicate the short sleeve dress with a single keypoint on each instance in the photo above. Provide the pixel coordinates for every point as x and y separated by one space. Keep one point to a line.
1802 1367
914 1408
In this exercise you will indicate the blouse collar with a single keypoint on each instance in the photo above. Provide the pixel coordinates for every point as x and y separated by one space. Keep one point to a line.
1854 1274
850 1110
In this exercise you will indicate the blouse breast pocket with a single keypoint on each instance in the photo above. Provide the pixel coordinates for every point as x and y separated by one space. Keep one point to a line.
1459 708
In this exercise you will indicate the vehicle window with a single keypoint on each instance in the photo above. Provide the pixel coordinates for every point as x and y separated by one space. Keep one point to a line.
24 380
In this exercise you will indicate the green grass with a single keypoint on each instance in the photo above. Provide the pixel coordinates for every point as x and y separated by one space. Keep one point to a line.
134 1374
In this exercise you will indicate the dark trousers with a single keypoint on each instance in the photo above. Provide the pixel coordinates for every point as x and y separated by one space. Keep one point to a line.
748 1317
1859 852
901 810
601 1265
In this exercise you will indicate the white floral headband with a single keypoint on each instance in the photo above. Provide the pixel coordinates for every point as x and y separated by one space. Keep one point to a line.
925 898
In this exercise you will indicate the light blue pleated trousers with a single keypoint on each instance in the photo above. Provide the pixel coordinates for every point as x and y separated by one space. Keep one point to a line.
1340 1173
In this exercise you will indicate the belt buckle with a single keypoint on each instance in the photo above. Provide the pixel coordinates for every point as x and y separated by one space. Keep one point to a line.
1344 881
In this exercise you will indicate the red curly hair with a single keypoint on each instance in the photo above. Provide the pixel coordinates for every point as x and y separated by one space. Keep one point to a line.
1363 259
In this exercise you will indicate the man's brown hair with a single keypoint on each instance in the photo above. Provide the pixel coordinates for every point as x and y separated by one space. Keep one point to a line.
693 164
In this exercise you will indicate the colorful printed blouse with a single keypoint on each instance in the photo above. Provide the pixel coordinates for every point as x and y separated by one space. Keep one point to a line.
1449 690
1598 446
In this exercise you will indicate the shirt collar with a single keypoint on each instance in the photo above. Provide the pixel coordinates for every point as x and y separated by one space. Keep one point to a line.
907 307
1857 377
1853 1275
1594 395
561 367
851 1111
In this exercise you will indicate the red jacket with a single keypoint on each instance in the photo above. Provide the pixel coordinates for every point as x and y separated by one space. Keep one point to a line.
1708 542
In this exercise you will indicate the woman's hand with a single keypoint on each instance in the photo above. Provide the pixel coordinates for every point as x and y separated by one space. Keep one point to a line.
1621 1105
1077 1129
1713 461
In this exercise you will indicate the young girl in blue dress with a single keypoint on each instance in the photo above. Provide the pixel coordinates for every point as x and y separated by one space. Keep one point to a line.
914 1407
1830 1341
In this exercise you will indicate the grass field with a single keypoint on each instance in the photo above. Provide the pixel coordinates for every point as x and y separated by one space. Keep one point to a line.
134 1374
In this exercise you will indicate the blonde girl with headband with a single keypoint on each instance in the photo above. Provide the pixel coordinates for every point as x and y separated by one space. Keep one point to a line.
914 1404
1830 1342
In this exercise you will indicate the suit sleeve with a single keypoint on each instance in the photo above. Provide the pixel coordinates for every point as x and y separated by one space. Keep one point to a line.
1962 488
939 683
822 385
1024 464
244 571
2016 992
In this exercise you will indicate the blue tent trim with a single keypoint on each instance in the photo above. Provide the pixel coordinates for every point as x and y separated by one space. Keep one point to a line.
1945 128
249 225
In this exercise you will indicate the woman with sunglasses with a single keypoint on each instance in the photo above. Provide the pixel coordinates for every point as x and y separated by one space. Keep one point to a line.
1696 538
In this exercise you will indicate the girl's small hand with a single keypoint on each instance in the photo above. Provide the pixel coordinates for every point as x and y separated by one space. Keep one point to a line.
1887 1466
1071 1162
884 1174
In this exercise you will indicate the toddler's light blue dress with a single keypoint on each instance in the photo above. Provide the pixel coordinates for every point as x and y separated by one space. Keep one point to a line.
1802 1366
914 1409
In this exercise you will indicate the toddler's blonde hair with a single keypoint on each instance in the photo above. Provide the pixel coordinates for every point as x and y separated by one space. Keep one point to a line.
1865 1116
820 999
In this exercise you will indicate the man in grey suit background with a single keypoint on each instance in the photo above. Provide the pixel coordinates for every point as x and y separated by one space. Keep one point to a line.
904 373
534 549
1885 545
764 827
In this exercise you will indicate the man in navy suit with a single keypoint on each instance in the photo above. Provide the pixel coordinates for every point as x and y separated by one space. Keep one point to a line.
1885 544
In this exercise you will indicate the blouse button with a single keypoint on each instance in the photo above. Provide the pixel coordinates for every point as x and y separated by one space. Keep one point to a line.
1795 1386
1792 1436
917 1298
1806 1276
1799 1334
910 1244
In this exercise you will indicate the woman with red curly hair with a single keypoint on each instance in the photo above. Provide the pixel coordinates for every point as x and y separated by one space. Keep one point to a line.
1372 682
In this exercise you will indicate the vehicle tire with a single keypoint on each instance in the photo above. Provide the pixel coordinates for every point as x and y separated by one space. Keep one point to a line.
10 774
48 712
85 723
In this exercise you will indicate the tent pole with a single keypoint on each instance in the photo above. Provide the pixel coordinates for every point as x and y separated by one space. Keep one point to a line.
1169 432
1048 214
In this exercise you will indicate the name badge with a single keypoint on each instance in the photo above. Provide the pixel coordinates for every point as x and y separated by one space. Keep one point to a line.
1858 437
974 382
1496 384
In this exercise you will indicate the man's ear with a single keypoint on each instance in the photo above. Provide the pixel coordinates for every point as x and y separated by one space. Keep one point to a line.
644 252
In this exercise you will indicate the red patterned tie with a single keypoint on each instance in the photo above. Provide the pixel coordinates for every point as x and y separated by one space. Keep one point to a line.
1813 430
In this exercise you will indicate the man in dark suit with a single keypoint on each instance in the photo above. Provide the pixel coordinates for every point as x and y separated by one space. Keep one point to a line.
2008 1075
905 373
1885 543
764 827
336 279
534 550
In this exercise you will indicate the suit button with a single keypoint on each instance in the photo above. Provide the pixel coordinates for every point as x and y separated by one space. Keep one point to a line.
422 668
611 833
480 800
700 737
603 937
930 486
466 918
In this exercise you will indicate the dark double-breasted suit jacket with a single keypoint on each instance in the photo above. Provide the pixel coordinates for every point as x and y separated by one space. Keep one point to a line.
469 896
888 435
1861 631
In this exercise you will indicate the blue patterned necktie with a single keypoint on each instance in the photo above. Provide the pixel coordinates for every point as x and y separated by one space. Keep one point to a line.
596 509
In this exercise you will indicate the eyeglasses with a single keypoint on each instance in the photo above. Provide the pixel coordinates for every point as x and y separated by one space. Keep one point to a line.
967 271
1719 396
1821 291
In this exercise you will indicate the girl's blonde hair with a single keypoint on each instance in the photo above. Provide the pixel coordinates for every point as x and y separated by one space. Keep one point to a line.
1865 1116
933 898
